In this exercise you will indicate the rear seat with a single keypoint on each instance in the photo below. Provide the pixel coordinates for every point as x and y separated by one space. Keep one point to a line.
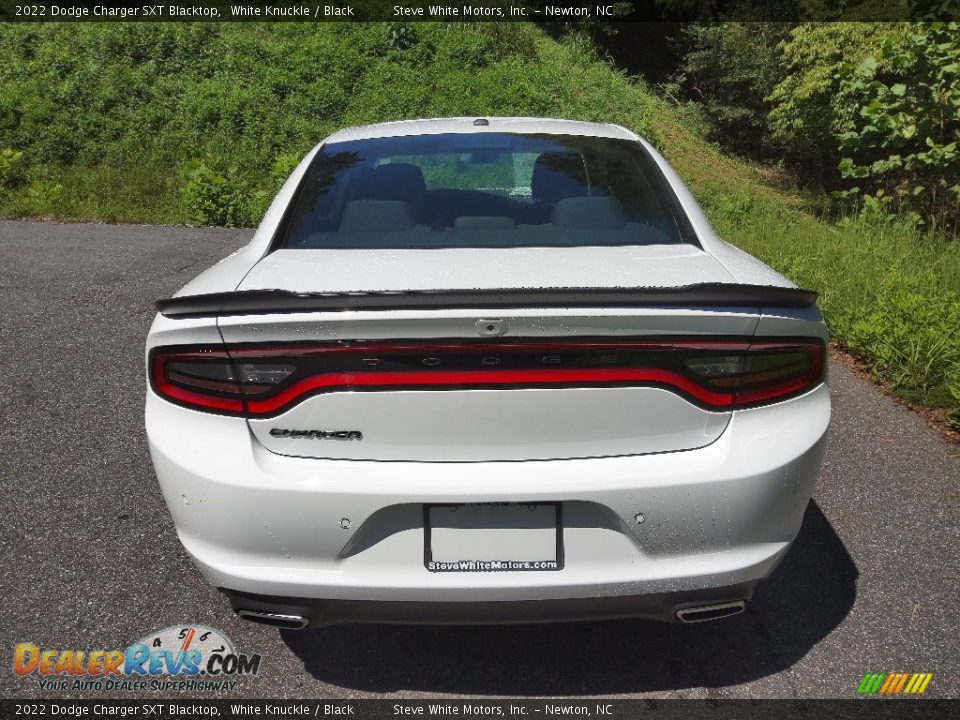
597 213
484 222
442 207
376 216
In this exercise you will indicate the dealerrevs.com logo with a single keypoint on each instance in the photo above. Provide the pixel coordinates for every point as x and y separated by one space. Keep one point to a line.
180 658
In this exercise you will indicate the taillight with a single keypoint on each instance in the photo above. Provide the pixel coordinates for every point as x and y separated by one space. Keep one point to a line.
764 372
266 380
208 379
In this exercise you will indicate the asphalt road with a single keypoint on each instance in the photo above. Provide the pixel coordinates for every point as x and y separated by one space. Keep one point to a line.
90 558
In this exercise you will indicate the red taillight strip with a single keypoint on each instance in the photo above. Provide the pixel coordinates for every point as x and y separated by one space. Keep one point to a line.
747 397
744 394
189 397
472 378
200 400
788 387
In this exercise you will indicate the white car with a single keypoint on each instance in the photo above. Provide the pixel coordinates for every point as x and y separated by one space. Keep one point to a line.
486 370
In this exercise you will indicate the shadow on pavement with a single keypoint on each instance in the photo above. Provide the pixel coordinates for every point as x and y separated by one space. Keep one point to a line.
805 599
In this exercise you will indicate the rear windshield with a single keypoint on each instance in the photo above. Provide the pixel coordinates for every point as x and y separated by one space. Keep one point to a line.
483 190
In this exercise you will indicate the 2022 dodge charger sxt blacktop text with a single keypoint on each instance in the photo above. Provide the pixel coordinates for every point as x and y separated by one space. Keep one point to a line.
486 370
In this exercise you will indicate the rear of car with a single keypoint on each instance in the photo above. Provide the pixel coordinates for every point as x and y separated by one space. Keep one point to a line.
486 370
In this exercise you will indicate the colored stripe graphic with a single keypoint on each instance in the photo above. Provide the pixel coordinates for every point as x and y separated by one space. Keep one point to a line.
918 683
894 683
897 685
871 683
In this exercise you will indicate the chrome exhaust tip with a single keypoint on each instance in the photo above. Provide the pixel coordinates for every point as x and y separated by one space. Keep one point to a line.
288 622
702 613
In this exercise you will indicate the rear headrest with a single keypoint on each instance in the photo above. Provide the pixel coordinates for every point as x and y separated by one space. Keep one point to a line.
484 222
557 176
595 213
393 181
376 216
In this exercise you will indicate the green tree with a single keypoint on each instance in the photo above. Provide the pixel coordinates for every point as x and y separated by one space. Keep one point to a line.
730 69
901 143
807 105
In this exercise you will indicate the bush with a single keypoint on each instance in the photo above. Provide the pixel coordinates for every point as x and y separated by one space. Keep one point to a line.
953 387
282 167
807 105
902 143
908 336
869 112
729 69
11 168
210 197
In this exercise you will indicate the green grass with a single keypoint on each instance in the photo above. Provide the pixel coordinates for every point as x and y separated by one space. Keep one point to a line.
199 123
109 194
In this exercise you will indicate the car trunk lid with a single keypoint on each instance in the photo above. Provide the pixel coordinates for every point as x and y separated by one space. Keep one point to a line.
469 383
333 271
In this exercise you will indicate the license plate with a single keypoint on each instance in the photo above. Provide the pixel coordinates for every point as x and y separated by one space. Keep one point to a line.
493 537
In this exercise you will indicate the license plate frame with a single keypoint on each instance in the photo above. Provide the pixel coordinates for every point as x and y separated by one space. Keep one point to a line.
502 565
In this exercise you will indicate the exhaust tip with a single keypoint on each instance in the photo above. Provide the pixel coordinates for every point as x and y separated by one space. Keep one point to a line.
288 622
702 613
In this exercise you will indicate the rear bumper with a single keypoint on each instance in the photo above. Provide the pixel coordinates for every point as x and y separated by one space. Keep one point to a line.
268 529
299 613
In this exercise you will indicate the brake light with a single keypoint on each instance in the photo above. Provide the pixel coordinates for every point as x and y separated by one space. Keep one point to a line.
207 379
266 380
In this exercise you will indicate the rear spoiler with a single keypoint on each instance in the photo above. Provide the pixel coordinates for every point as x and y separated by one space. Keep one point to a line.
265 302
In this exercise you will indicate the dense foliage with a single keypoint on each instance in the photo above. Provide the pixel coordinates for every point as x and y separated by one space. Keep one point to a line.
216 106
902 147
729 70
869 111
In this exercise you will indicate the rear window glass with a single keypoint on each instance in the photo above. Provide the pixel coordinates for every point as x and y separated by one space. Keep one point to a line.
483 190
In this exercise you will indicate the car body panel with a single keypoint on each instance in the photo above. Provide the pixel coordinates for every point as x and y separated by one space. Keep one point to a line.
484 425
484 268
440 126
714 516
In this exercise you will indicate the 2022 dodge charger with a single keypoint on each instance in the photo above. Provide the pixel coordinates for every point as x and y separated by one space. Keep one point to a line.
486 370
